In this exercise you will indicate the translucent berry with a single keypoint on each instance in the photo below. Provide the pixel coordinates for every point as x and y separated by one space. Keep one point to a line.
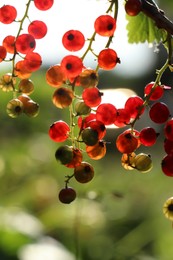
62 97
108 59
105 25
135 106
153 93
126 142
26 86
84 172
71 66
159 113
25 43
106 113
32 61
31 108
127 161
3 53
168 129
8 14
20 70
167 165
168 208
97 151
43 5
87 78
73 40
92 96
55 77
59 131
168 146
38 29
122 118
14 108
7 82
133 7
148 136
67 195
76 159
9 43
143 162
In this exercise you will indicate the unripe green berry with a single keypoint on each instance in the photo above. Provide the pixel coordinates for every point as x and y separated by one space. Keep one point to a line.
143 162
64 154
82 109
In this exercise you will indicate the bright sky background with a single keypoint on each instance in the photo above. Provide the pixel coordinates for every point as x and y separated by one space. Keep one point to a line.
80 15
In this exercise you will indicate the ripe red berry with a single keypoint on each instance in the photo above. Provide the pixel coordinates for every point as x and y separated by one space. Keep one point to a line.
155 93
92 96
3 53
148 136
8 14
159 113
9 43
67 195
55 77
133 7
71 66
105 25
25 43
168 146
73 40
59 131
108 59
106 113
32 61
134 105
43 5
126 142
168 129
97 151
167 165
38 29
123 117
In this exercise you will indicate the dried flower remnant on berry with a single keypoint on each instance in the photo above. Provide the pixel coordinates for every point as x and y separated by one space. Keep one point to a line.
168 208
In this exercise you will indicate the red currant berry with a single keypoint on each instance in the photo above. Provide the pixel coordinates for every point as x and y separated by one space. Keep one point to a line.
108 59
83 121
92 96
43 5
168 146
154 94
9 43
55 77
159 113
168 129
3 53
135 106
67 195
133 7
64 154
62 97
97 151
73 40
123 117
71 66
88 78
25 43
84 172
106 113
8 14
37 29
89 136
32 61
76 159
105 25
148 136
59 131
126 142
167 165
98 126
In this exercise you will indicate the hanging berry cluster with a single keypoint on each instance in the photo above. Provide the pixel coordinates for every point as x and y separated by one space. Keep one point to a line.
19 51
76 88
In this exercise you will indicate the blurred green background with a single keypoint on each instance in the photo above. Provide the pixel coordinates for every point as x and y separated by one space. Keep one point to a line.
117 216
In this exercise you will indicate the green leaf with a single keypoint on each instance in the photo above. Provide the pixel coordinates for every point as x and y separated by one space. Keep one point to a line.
142 29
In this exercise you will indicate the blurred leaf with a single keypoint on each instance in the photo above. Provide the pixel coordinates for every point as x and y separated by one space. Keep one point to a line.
142 29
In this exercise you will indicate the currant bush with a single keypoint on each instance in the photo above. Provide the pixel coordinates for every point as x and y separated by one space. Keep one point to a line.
82 137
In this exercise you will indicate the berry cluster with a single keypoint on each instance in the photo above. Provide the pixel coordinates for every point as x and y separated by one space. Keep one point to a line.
76 89
19 50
